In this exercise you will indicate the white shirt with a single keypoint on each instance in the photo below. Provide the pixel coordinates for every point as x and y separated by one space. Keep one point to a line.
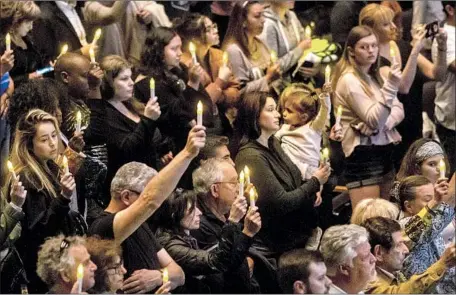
445 90
70 12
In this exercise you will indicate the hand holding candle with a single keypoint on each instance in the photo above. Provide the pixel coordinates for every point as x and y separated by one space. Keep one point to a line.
247 175
8 42
96 37
192 49
80 277
11 170
199 113
152 87
442 169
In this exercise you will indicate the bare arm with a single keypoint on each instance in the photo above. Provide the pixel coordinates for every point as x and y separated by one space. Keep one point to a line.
159 188
175 272
96 13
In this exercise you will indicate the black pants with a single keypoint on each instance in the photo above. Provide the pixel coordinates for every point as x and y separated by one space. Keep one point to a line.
448 140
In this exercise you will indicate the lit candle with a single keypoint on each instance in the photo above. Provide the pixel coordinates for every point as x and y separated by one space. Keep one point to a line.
392 52
64 50
8 42
247 175
80 276
225 59
273 56
96 37
442 168
308 32
327 74
165 275
11 169
78 122
241 184
65 165
325 156
338 115
312 25
199 113
92 55
152 87
252 197
192 49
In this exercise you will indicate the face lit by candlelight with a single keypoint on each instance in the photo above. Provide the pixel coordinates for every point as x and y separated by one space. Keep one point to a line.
115 275
227 189
173 52
212 36
81 256
269 117
123 85
430 168
24 28
255 19
45 141
191 219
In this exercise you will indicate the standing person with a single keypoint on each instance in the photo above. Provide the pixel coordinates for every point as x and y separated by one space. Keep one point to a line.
249 56
27 58
371 111
49 189
445 105
285 201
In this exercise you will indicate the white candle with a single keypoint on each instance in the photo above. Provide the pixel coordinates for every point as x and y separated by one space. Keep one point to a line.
80 276
199 114
192 49
247 175
327 74
152 88
78 122
338 115
241 184
442 168
11 169
92 55
165 275
66 170
392 52
96 37
8 42
326 155
252 197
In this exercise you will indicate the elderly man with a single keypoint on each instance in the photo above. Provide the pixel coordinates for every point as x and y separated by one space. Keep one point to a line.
388 247
216 182
303 272
58 261
136 192
350 263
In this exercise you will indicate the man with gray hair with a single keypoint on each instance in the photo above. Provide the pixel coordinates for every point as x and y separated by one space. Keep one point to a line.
347 255
136 193
58 261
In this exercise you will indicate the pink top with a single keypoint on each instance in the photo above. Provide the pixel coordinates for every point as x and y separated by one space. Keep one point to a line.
381 113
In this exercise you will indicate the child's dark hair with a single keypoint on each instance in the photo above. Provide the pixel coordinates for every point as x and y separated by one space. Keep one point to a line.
303 98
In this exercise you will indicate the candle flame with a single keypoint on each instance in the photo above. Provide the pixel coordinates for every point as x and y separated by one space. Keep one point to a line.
326 153
165 275
312 24
199 107
225 58
10 166
80 273
65 162
97 35
252 194
273 56
192 48
64 50
241 177
392 52
442 165
308 32
339 111
247 171
152 83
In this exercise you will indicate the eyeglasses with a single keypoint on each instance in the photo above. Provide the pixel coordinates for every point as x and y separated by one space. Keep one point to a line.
212 27
235 183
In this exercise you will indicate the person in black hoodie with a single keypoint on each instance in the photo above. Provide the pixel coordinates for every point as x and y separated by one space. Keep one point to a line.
179 215
285 201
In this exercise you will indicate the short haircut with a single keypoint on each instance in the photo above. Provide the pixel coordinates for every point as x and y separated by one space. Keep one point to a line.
103 253
369 208
53 257
207 174
131 176
294 266
213 142
339 243
68 62
407 188
381 231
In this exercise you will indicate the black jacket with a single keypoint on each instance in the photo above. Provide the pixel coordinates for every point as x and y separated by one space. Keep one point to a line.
285 202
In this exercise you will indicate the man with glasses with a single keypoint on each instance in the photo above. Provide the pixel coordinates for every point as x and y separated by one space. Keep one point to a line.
58 261
136 192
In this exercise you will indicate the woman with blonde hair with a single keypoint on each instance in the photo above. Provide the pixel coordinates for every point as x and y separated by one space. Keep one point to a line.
49 189
27 58
371 111
369 208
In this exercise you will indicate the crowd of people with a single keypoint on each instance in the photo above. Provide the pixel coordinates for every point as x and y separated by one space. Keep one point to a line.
142 152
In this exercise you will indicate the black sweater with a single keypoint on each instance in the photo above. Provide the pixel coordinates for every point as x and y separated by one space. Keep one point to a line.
285 202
